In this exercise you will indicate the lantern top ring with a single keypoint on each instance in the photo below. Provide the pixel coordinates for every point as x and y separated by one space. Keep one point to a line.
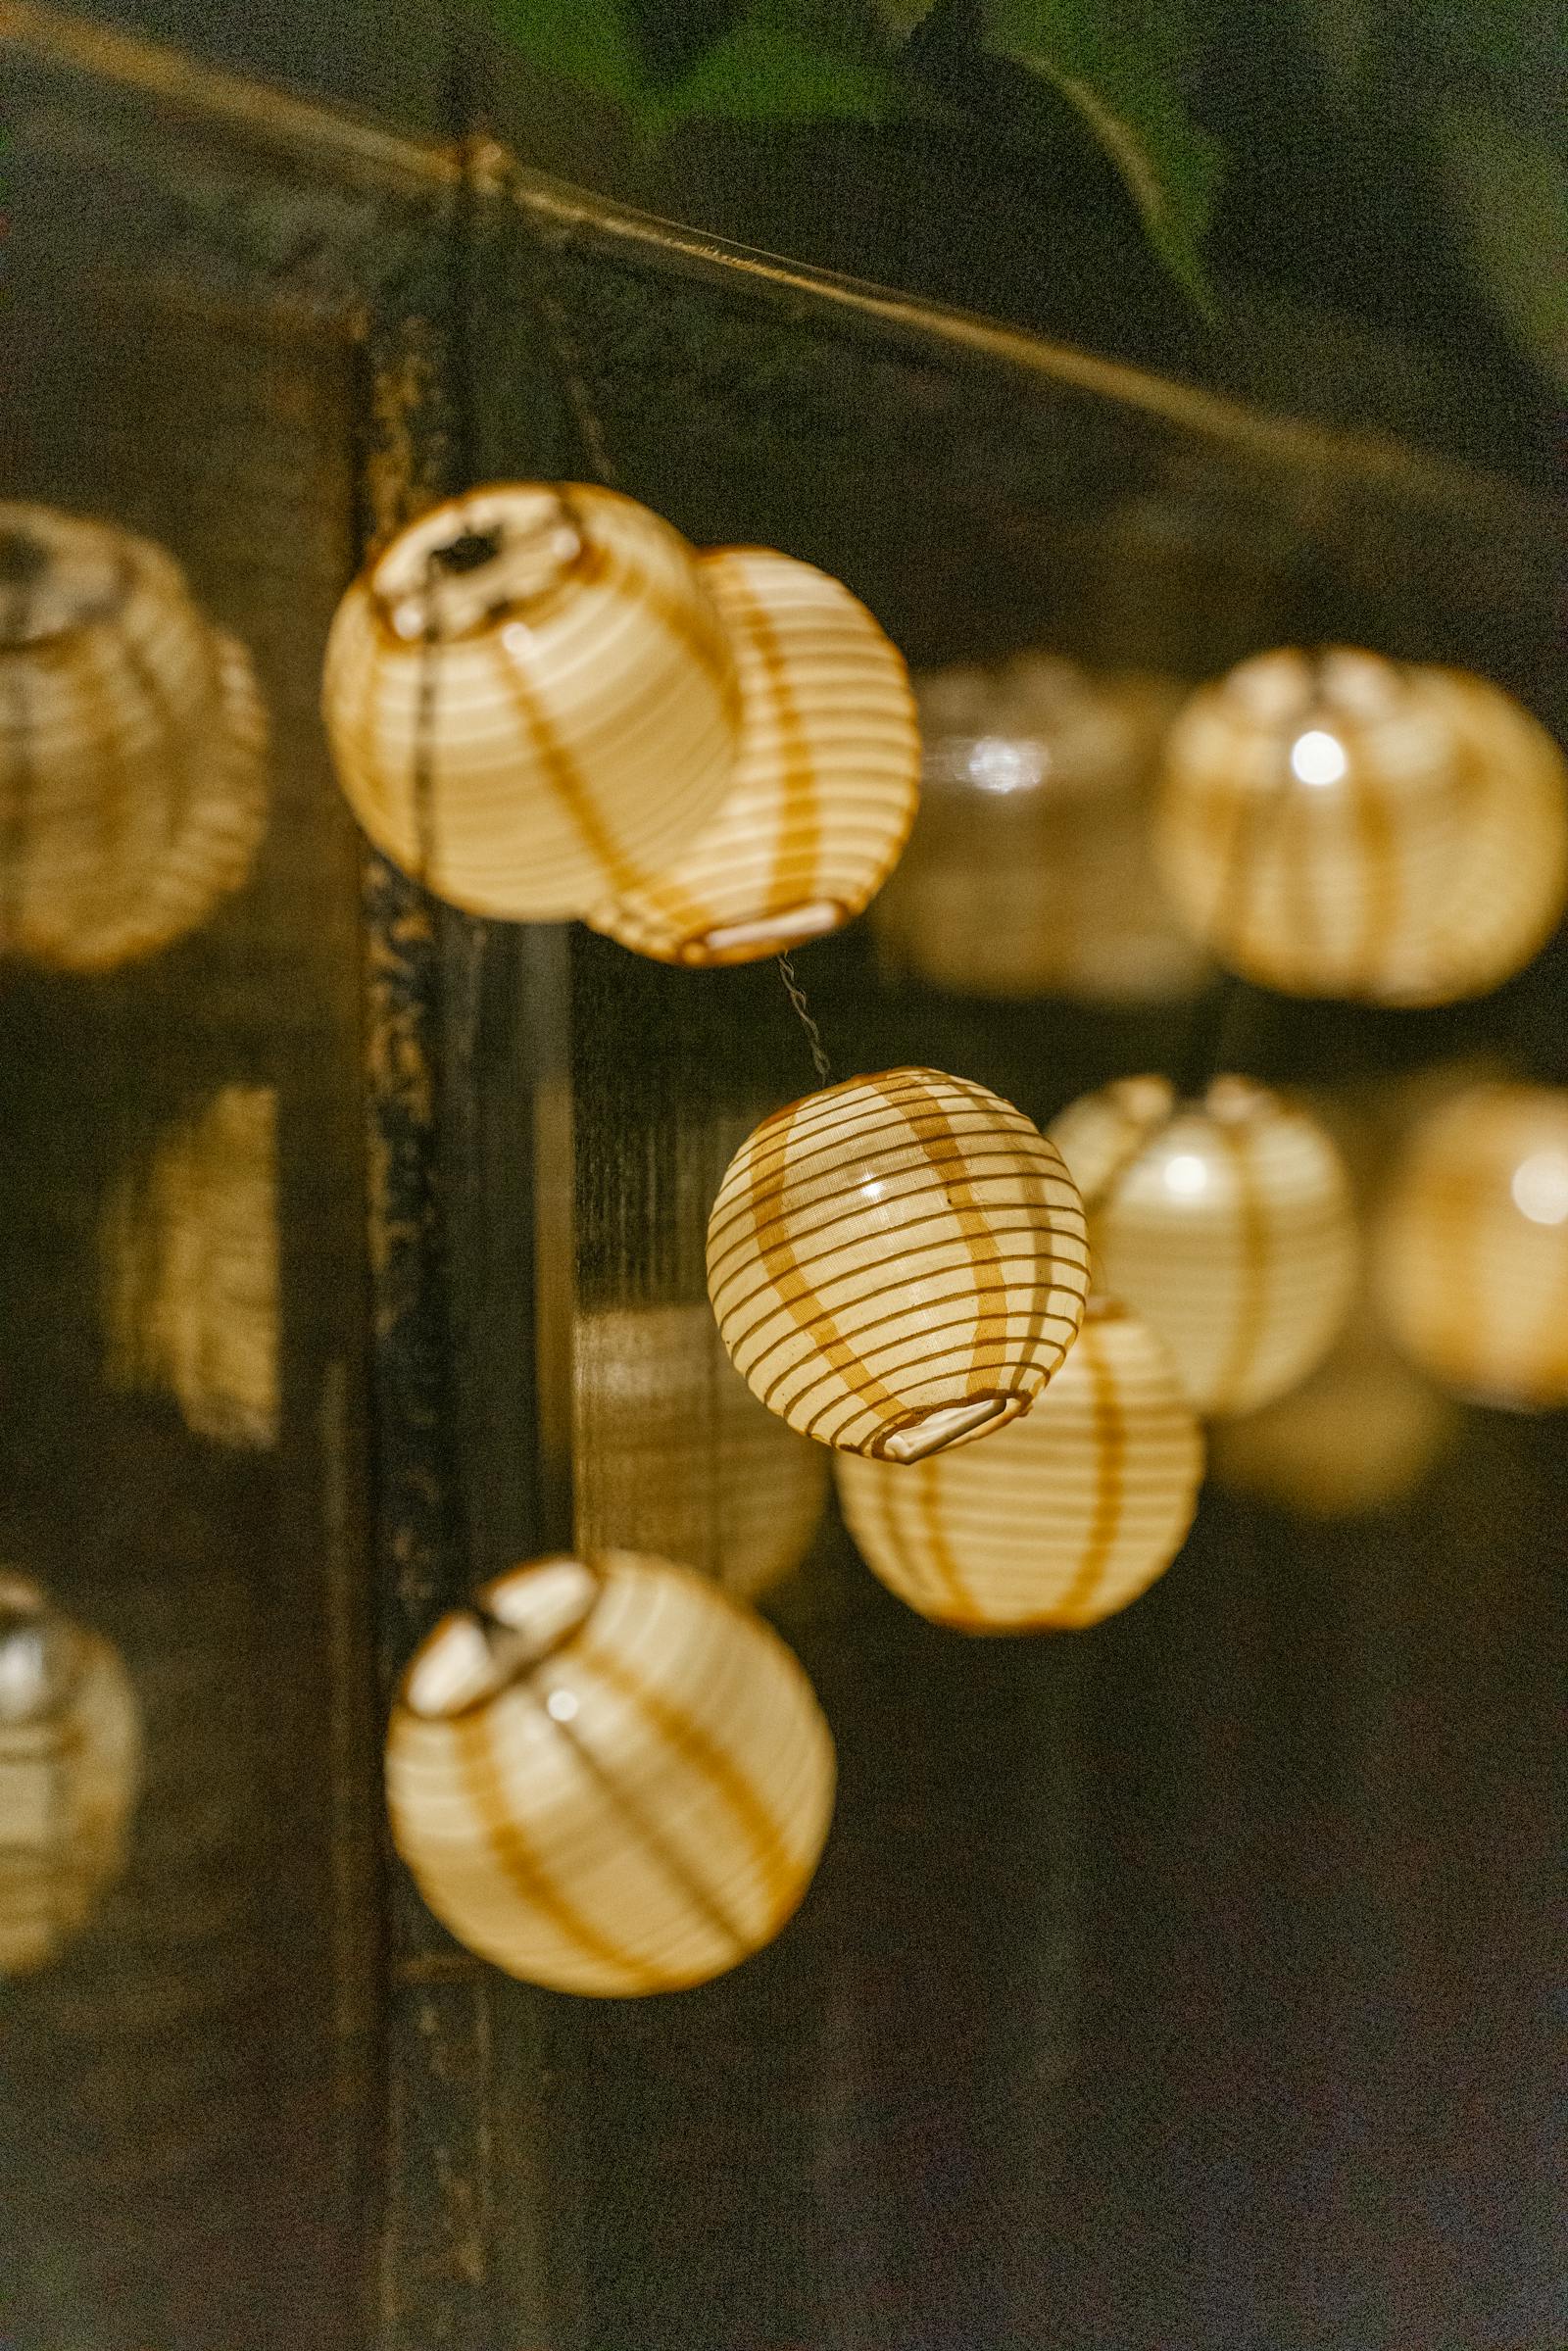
515 1622
491 556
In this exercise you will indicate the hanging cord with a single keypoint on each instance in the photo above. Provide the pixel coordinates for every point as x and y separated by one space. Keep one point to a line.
803 1013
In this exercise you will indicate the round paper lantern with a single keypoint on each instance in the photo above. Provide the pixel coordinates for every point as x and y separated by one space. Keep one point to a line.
609 1777
1227 1224
554 654
1029 871
191 1247
69 1759
1471 1250
825 784
897 1263
132 747
1061 1520
674 1455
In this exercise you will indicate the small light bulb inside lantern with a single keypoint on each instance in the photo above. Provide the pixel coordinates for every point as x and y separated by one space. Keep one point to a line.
1317 757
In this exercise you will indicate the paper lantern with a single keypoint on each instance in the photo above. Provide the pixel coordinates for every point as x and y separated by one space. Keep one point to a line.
191 1250
675 1457
132 747
825 784
1060 1521
70 1759
609 1777
897 1263
555 655
1471 1250
1029 871
1227 1224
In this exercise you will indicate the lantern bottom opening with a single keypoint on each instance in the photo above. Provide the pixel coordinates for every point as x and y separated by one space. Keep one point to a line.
939 1426
768 934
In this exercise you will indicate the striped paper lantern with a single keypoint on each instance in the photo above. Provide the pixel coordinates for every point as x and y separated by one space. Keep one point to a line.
675 1457
132 747
555 657
1064 1518
897 1263
825 783
1470 1254
609 1777
1227 1224
70 1761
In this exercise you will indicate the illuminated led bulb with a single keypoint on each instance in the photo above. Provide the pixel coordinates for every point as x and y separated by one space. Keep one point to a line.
608 1776
825 782
1063 1519
1227 1224
1470 1252
69 1760
558 658
132 747
674 1455
897 1263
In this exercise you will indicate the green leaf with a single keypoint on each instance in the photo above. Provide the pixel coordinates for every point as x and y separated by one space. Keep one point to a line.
782 60
1117 62
1511 191
901 17
591 42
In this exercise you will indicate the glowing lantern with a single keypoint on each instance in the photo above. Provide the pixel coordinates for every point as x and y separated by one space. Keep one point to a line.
609 1777
825 783
1061 1520
674 1455
1470 1254
191 1247
1227 1224
897 1263
70 1759
132 744
553 659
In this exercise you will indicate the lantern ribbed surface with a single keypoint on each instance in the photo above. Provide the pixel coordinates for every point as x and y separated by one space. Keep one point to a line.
1060 1520
556 660
607 1776
1470 1254
70 1761
1227 1224
675 1455
897 1263
132 747
825 782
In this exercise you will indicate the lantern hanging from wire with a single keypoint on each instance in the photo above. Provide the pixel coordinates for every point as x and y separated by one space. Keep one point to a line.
132 747
1060 1520
897 1263
608 1776
1226 1223
825 782
531 699
1470 1252
69 1763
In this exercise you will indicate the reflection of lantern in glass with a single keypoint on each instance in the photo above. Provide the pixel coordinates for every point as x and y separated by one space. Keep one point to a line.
133 742
897 1263
1470 1254
1061 1520
608 1776
553 658
825 782
675 1457
69 1760
1227 1224
192 1264
1029 871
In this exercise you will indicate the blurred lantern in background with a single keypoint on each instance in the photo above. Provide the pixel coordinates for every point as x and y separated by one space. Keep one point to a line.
897 1263
132 747
1029 871
1471 1248
1226 1223
825 783
1061 1519
69 1762
608 1776
191 1268
1342 825
536 680
675 1457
